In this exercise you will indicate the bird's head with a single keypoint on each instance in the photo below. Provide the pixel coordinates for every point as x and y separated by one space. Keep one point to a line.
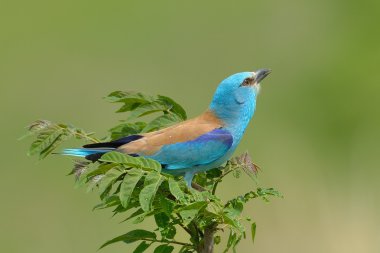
237 94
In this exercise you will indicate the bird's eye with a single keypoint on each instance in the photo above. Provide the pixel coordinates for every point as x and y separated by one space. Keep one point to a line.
246 82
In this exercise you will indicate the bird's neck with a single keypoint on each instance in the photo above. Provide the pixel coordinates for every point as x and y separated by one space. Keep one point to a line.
236 119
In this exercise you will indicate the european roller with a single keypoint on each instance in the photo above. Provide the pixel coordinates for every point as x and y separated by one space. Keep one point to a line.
197 144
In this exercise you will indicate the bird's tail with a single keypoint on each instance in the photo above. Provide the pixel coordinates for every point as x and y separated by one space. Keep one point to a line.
94 151
89 154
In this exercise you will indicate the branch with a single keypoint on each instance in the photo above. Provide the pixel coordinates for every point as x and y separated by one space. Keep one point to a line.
184 227
167 241
220 180
207 246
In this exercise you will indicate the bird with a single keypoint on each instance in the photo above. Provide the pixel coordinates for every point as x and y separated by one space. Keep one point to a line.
198 144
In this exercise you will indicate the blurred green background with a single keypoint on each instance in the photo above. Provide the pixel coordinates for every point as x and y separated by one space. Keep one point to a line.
315 132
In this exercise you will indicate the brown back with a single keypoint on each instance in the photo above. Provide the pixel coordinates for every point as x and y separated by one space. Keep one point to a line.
181 132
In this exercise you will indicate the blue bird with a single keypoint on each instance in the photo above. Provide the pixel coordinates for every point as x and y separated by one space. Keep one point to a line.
198 144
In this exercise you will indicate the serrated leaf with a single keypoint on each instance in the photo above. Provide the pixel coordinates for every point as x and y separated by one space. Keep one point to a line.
152 181
108 202
136 213
129 106
117 157
142 247
175 190
175 107
44 139
149 164
253 231
136 162
164 248
162 121
147 108
126 129
128 97
128 185
108 179
132 236
102 169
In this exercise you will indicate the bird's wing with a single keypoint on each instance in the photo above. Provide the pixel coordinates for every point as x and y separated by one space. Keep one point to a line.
190 143
202 150
150 143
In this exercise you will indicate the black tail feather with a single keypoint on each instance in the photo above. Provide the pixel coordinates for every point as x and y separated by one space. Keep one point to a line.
115 143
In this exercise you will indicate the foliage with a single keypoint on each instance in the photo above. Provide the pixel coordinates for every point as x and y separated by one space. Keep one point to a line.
139 187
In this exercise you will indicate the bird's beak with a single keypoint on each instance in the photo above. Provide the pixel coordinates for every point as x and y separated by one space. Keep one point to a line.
261 74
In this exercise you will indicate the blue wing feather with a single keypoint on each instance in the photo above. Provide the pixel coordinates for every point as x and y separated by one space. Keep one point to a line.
203 150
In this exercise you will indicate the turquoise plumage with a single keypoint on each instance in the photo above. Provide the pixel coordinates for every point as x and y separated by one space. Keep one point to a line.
198 144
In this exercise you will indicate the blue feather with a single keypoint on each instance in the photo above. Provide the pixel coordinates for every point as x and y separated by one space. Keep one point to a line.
83 152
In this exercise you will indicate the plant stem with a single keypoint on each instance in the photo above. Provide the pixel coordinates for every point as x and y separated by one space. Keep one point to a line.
83 135
207 245
220 180
184 227
167 241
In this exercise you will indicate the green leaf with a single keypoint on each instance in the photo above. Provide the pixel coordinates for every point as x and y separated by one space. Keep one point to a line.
233 222
136 162
166 204
152 181
125 129
138 212
132 236
117 157
234 208
142 247
130 106
128 185
108 202
162 220
253 231
169 232
185 249
140 218
189 212
166 229
164 248
128 97
162 121
217 239
237 240
148 108
231 241
175 190
102 169
214 173
149 164
45 139
108 179
175 107
268 191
